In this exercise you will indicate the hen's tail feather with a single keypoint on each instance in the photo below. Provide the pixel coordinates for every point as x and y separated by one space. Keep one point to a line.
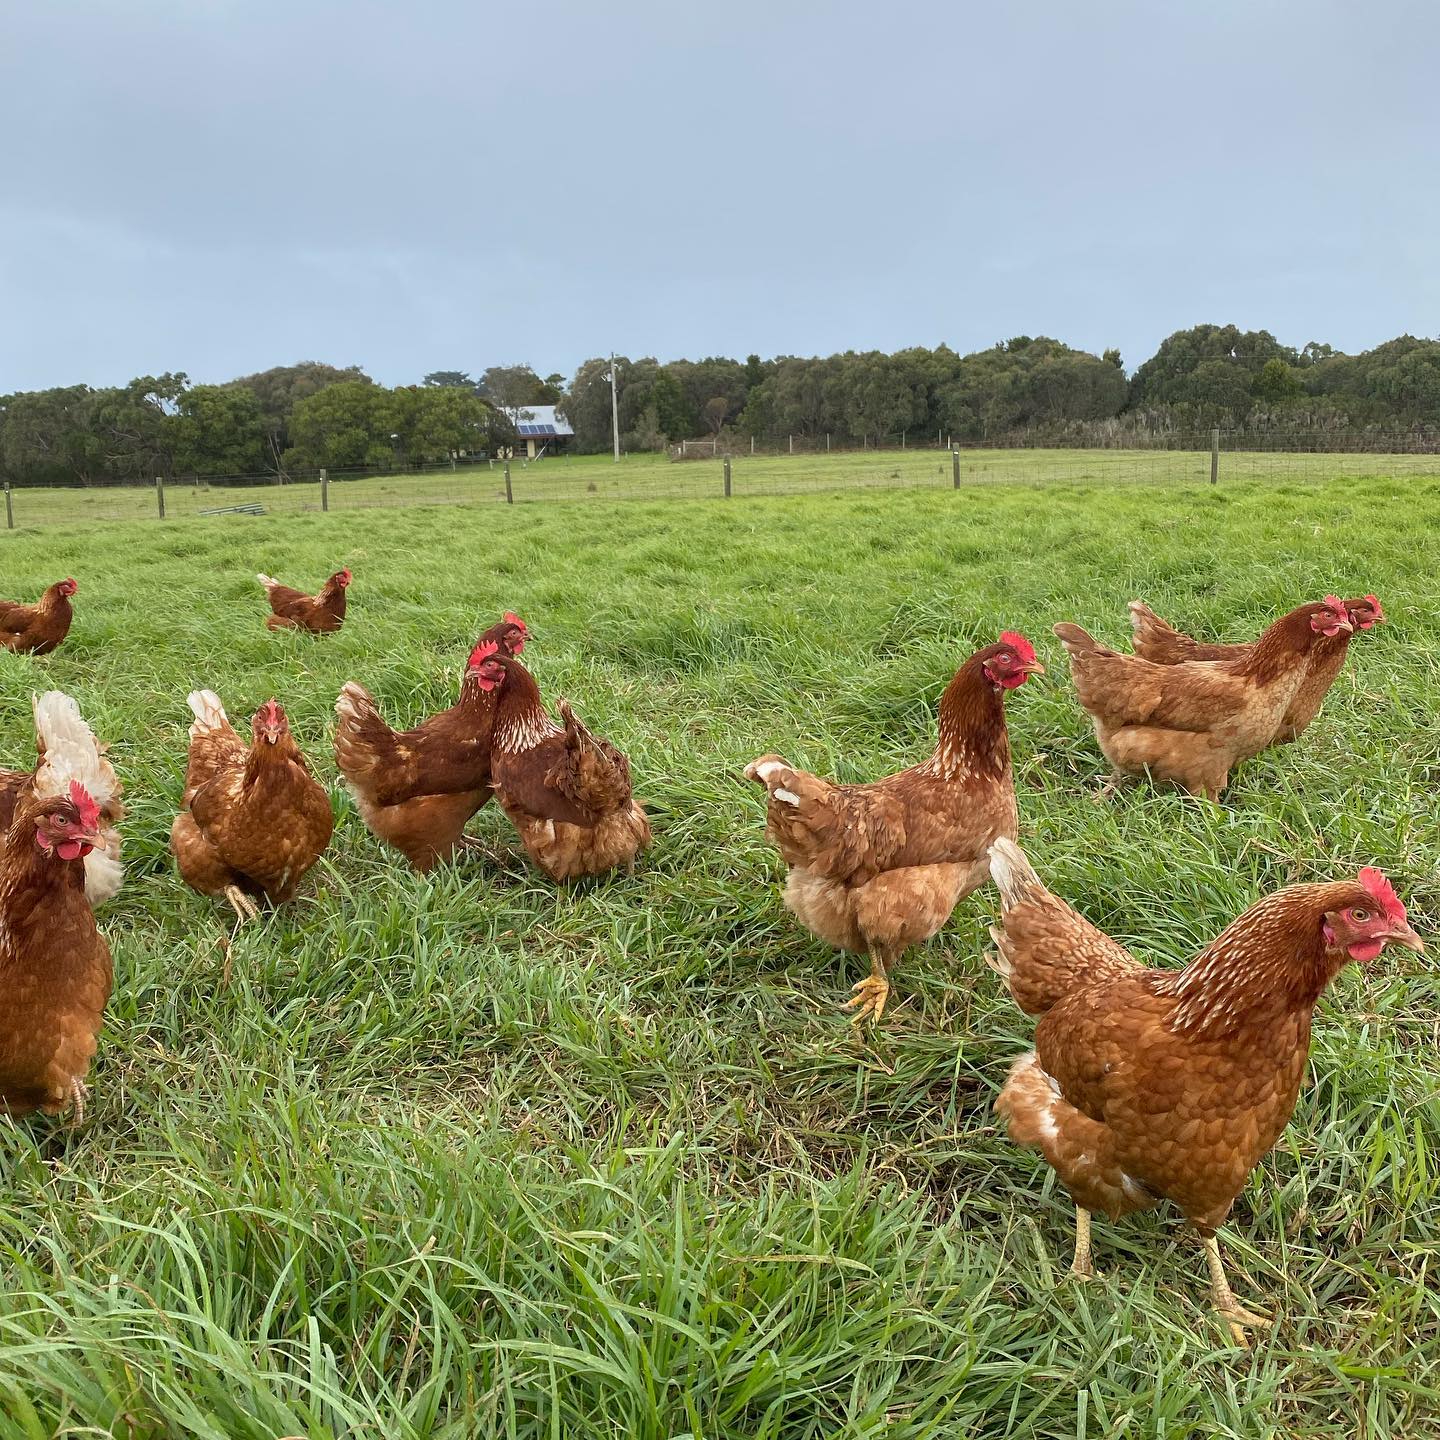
575 732
364 743
1156 639
268 581
70 751
1077 641
355 705
209 713
1014 876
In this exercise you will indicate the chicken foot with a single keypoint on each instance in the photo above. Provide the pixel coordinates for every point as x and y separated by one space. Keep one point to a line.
78 1091
245 909
242 904
868 996
1222 1297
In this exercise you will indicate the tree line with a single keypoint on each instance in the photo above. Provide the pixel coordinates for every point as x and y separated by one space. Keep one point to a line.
296 418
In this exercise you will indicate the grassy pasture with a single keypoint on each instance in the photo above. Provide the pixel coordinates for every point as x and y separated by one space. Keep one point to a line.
655 477
467 1155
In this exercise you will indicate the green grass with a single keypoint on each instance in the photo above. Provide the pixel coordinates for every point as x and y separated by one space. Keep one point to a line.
655 477
468 1155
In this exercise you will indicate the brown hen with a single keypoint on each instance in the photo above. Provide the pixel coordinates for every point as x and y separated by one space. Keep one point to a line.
58 725
877 868
417 789
1147 1085
1192 722
294 610
37 629
1154 639
567 792
255 820
55 971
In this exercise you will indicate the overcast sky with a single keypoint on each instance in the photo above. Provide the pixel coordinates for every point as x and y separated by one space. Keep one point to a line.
217 186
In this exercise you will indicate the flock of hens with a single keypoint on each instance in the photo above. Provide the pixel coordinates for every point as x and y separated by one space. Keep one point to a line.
1144 1085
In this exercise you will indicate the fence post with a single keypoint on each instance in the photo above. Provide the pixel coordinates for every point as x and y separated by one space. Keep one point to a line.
324 488
1214 454
955 467
827 442
509 494
9 509
160 495
727 477
752 444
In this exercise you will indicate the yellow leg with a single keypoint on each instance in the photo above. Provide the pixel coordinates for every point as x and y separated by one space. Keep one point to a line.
1082 1267
1235 1315
869 995
78 1092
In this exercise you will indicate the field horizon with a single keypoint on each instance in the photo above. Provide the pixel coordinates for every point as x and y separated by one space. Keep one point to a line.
470 1154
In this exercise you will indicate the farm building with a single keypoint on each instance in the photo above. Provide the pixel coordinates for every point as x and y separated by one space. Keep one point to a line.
540 429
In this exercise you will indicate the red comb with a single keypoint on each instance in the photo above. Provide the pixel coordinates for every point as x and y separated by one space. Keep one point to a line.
1337 605
511 618
1384 892
1019 644
271 712
482 652
84 802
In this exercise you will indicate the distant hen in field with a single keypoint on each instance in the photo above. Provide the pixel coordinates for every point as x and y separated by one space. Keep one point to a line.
294 610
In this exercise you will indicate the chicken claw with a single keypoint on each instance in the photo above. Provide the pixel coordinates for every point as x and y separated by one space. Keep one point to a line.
868 996
78 1091
242 904
1230 1310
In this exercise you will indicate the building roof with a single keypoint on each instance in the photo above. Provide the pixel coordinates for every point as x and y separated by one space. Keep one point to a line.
532 421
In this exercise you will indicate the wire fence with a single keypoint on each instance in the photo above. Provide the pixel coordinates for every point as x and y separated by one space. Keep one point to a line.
1195 460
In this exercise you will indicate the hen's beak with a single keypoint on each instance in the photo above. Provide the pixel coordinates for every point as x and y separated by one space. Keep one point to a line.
1408 938
1034 667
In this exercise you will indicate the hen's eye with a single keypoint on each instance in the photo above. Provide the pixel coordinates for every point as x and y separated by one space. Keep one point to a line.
1359 915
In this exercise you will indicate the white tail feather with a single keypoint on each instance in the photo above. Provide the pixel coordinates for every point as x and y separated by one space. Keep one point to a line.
1012 872
71 750
267 580
73 753
209 712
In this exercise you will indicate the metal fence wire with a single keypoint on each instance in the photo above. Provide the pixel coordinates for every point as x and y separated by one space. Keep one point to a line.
1213 457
